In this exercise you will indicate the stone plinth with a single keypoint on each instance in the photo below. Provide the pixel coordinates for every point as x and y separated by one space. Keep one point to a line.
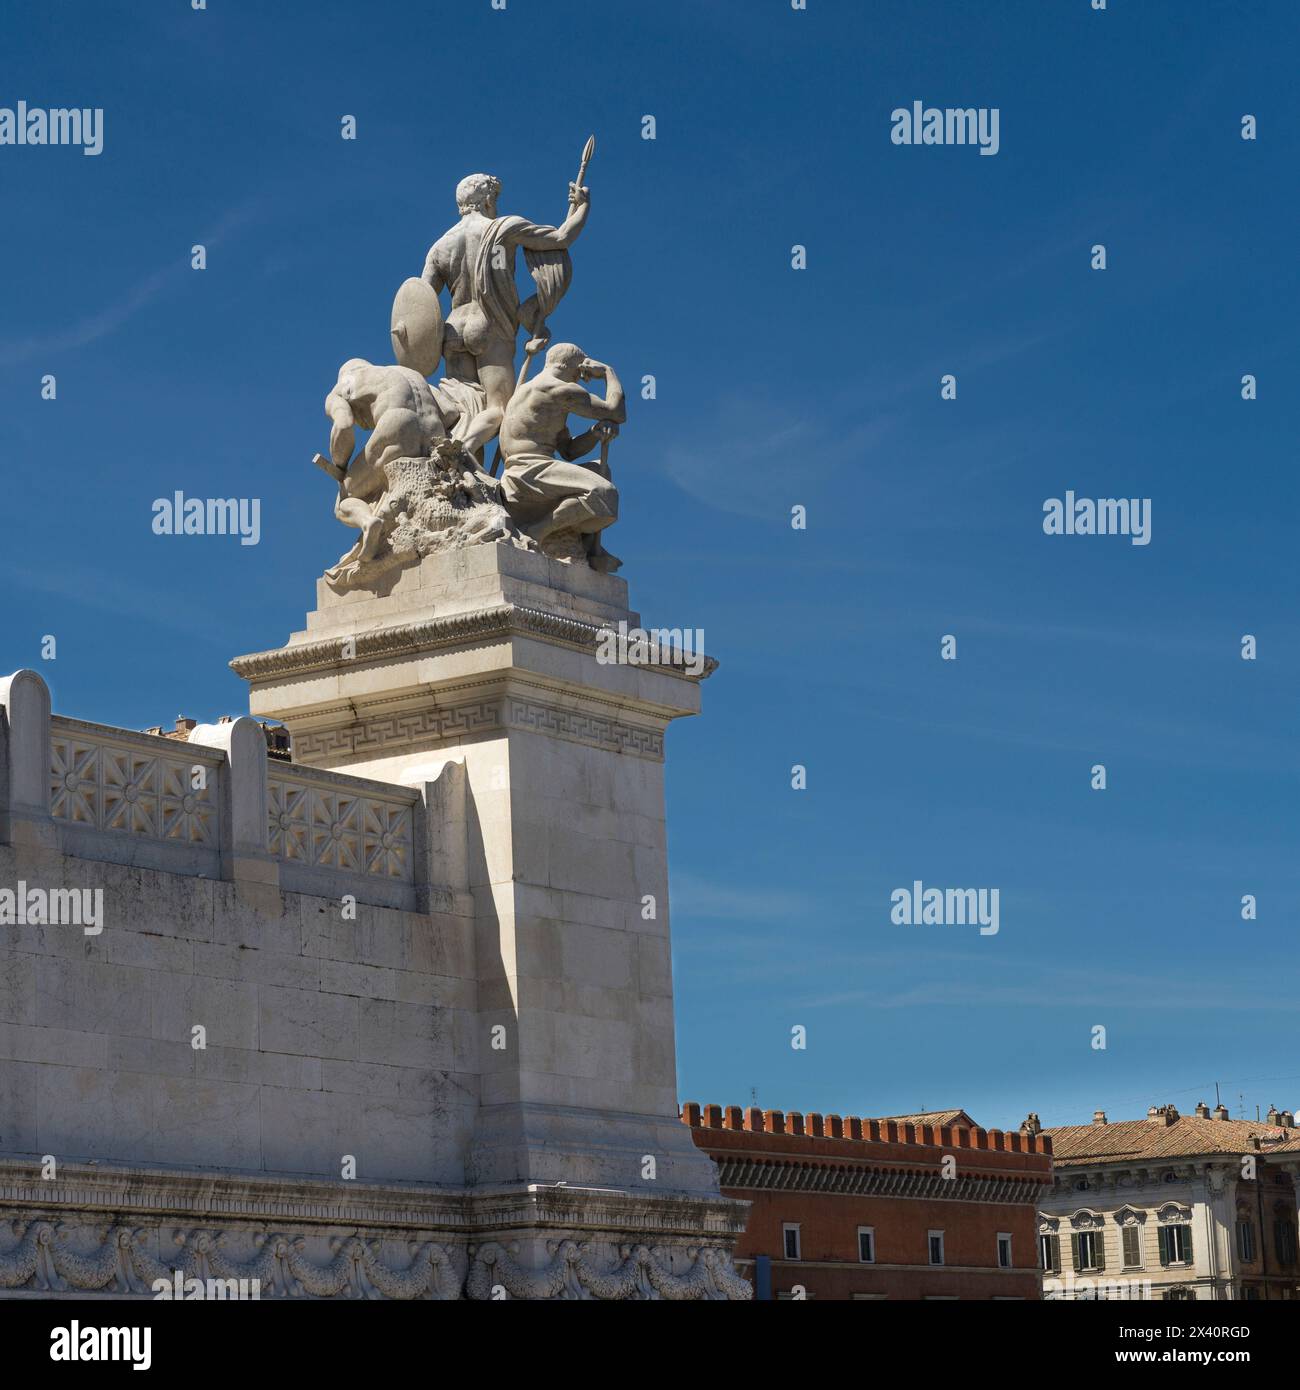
108 1231
488 656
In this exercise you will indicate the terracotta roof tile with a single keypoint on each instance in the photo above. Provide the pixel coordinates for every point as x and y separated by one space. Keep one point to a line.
1153 1139
933 1117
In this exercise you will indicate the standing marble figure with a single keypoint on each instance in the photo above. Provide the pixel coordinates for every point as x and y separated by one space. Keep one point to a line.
475 260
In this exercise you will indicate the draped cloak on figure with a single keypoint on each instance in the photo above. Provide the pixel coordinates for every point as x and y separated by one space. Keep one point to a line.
467 398
494 278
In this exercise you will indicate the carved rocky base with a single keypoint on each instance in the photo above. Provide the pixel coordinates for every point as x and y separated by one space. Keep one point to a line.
431 505
281 1239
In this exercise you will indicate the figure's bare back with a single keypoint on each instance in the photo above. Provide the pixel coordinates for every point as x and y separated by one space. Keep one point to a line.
454 255
376 391
537 413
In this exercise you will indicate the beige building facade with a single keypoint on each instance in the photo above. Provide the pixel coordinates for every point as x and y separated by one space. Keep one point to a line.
1172 1207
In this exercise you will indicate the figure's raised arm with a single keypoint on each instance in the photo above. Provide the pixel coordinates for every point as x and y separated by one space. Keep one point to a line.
592 407
534 237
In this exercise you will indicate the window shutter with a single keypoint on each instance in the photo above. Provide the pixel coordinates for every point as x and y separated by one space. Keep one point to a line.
1132 1247
1056 1252
1187 1242
1099 1245
1163 1233
1074 1251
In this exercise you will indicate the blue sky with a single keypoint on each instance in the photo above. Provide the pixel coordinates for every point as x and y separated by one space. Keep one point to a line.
776 387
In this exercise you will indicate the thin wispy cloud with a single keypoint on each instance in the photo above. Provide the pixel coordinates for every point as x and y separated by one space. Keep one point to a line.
698 897
108 593
106 321
1045 988
738 468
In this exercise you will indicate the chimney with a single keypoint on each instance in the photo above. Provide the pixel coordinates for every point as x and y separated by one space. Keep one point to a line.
1287 1119
1099 1117
1031 1124
1272 1117
1162 1114
184 725
1220 1112
1154 1113
1202 1110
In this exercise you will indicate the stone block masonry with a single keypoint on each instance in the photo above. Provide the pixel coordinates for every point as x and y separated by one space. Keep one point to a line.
389 1020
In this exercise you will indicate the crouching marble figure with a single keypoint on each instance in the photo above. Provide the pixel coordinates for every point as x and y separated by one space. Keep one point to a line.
412 489
420 483
563 505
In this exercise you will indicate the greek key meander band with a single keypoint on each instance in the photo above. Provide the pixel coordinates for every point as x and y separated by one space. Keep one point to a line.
389 732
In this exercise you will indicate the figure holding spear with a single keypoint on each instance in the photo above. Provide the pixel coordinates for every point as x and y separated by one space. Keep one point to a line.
475 260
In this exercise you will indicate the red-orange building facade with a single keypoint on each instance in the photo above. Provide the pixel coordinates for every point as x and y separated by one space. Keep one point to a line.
848 1208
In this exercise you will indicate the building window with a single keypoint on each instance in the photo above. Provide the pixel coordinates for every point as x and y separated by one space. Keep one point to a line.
1049 1252
1180 1295
1087 1250
1246 1242
1004 1250
1251 1293
790 1240
1284 1241
1132 1238
936 1247
867 1244
1176 1245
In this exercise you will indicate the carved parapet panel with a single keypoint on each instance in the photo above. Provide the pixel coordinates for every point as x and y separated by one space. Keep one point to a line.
348 828
135 798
